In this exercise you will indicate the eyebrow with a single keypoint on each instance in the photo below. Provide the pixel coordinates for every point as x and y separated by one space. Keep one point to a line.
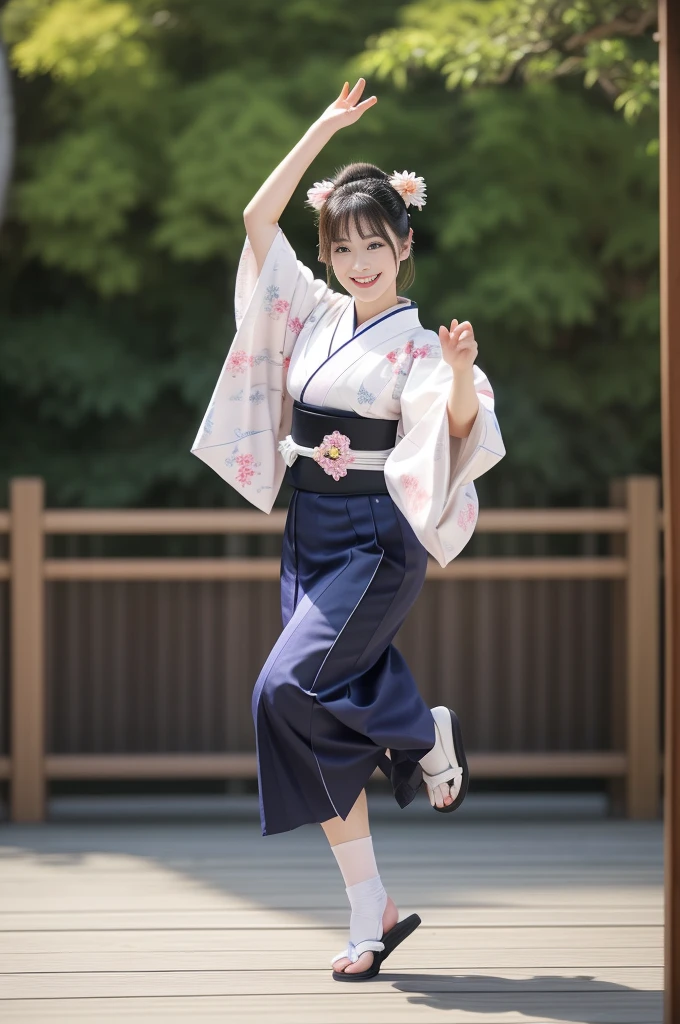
363 239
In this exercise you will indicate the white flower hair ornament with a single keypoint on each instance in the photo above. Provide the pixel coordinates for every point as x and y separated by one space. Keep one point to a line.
410 187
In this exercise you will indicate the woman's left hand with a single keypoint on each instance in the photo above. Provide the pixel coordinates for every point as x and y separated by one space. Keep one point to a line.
459 346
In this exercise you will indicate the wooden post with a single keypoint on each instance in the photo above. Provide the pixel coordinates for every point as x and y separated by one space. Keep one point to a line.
669 153
642 648
27 694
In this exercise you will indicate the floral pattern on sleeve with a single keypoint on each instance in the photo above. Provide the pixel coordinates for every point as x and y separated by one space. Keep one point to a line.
467 516
295 325
364 396
416 496
402 359
273 305
246 466
239 360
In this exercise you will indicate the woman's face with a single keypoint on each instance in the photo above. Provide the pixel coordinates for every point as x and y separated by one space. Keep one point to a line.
365 267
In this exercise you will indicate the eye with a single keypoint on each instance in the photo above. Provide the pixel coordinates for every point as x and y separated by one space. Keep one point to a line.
341 247
379 244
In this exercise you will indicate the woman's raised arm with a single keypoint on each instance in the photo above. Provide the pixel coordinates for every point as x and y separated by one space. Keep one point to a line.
262 213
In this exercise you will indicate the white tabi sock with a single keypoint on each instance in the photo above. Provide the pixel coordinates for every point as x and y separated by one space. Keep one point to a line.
363 886
368 900
356 859
435 760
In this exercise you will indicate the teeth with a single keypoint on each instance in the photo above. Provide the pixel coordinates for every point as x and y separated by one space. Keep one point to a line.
365 280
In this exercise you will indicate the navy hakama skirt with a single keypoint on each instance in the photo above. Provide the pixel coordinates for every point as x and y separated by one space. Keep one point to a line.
334 693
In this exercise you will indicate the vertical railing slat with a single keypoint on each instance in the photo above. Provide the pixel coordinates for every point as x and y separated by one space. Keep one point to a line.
642 648
27 701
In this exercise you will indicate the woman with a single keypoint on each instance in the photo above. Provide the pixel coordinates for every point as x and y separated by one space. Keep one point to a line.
380 426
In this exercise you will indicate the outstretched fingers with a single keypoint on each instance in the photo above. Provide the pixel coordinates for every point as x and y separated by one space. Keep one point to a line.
354 96
365 104
356 92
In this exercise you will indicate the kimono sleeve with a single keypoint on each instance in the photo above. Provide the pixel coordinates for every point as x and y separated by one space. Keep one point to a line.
429 474
250 410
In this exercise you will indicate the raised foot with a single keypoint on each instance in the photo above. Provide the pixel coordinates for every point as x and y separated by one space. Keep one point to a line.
345 966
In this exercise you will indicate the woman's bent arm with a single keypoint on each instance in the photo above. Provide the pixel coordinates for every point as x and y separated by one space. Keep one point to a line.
262 213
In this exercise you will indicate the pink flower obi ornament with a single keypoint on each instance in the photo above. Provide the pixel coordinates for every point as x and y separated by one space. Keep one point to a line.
334 454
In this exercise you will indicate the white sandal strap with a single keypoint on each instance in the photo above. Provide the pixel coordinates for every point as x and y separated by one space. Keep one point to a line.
446 776
354 952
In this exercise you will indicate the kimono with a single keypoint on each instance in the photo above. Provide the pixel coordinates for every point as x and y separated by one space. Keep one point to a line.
335 695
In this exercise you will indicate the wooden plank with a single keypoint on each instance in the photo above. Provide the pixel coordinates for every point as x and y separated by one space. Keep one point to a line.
140 897
625 945
180 918
412 1006
228 981
314 953
216 521
605 568
669 138
27 672
163 520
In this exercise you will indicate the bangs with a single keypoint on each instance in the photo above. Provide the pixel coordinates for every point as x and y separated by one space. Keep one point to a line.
370 221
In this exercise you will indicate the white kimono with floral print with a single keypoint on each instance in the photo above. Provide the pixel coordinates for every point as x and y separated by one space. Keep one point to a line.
295 339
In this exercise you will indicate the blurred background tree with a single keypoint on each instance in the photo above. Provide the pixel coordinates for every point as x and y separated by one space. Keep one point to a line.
144 129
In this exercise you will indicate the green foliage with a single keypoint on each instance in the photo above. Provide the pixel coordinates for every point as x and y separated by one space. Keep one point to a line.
471 43
76 39
546 240
226 142
75 203
143 133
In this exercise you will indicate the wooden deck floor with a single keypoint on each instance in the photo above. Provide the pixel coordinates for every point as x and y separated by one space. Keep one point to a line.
199 920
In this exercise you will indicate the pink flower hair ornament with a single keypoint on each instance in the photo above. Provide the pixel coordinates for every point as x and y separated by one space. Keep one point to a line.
411 188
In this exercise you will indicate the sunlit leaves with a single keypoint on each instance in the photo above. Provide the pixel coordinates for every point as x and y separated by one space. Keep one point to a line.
73 39
607 42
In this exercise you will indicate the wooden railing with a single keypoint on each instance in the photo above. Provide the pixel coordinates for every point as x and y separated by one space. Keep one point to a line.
634 528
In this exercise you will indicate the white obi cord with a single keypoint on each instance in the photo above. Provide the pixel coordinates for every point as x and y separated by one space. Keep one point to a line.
334 451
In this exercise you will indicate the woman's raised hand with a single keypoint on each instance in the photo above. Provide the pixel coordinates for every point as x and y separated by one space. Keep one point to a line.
261 215
347 109
459 345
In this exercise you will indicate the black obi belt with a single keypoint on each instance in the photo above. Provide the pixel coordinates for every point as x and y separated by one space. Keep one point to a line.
311 424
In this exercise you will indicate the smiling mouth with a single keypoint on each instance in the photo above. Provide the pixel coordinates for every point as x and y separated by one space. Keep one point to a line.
365 282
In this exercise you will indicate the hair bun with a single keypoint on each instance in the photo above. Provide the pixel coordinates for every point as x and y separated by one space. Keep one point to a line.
359 172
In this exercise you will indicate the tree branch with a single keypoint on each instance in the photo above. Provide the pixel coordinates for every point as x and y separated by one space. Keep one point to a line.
616 27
